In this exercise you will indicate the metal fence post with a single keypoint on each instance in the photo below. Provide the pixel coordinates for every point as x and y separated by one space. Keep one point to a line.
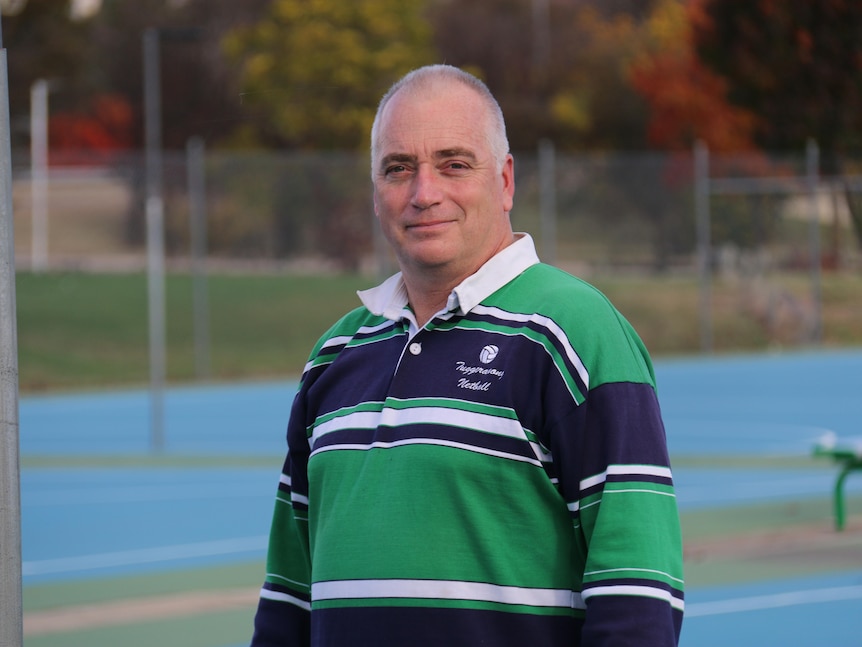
11 609
198 232
155 235
812 168
704 242
39 174
548 200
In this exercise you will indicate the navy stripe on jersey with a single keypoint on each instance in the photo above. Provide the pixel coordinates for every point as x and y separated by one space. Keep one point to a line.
539 329
466 439
428 627
643 621
634 434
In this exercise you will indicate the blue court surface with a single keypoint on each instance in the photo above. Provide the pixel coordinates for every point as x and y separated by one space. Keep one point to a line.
109 520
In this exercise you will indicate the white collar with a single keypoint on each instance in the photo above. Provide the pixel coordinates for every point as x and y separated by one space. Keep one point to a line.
389 299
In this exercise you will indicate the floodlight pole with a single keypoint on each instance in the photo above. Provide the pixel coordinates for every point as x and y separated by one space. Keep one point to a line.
11 608
155 236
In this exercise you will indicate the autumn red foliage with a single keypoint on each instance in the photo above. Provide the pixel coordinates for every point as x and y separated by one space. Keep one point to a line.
686 100
94 136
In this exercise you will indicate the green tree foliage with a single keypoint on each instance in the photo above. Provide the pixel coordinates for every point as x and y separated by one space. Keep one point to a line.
315 69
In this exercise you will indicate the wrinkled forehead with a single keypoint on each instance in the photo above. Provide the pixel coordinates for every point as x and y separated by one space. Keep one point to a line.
433 119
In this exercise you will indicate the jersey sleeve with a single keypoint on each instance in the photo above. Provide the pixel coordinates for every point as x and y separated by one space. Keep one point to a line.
629 522
284 608
615 474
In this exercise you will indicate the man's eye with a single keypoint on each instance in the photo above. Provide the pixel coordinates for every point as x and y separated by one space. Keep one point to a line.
397 168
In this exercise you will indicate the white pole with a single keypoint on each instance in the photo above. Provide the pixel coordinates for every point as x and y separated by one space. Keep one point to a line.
155 236
39 174
11 609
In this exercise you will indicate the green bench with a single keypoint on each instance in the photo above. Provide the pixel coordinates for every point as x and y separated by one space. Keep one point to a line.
849 458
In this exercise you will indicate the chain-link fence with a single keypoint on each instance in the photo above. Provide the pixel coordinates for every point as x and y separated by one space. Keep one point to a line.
771 221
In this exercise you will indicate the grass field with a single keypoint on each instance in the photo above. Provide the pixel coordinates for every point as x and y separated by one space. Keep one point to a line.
82 330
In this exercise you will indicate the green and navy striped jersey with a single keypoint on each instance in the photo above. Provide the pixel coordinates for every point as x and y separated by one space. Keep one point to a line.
498 477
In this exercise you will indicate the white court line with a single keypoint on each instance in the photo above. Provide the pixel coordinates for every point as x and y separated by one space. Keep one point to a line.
774 601
143 556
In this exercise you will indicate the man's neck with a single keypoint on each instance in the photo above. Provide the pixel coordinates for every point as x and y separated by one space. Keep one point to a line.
428 288
427 302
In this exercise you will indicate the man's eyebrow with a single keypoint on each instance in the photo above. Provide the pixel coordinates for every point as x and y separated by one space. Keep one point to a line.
396 158
446 153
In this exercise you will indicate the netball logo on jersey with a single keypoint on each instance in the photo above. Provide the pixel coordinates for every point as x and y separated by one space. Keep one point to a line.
479 378
488 354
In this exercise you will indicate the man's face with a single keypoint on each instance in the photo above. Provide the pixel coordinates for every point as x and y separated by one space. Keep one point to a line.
441 198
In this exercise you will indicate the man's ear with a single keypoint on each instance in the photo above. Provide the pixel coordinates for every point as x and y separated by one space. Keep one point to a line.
508 177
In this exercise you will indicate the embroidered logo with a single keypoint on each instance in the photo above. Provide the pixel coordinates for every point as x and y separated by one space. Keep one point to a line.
479 378
488 354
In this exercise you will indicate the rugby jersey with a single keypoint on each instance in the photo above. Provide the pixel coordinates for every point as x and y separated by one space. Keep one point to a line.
498 477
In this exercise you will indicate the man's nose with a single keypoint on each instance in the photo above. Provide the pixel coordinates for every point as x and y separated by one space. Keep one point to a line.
426 187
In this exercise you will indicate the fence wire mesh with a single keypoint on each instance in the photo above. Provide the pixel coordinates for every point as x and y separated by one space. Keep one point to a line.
600 216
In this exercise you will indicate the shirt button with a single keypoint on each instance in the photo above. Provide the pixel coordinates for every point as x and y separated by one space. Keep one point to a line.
415 348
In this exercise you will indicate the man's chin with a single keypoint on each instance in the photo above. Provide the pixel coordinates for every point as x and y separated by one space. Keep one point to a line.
430 253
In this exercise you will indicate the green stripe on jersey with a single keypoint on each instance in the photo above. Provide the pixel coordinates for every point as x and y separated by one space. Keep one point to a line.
589 326
436 512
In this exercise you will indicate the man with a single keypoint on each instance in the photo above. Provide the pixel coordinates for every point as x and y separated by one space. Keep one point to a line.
476 455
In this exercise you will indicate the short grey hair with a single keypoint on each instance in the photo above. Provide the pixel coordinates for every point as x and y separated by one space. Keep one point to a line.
424 78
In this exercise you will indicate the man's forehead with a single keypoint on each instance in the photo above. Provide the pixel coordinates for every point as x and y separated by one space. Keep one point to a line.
437 140
427 123
430 140
443 112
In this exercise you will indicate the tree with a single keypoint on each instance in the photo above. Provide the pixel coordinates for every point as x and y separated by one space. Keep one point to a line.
685 99
685 102
45 43
201 95
558 74
91 136
798 65
315 69
313 72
